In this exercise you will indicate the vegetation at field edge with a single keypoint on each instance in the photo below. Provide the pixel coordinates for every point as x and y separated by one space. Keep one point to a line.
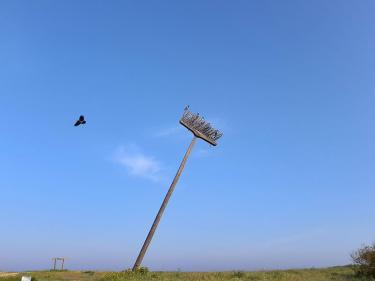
330 274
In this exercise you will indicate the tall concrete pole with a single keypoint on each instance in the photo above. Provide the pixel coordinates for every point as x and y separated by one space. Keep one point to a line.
142 253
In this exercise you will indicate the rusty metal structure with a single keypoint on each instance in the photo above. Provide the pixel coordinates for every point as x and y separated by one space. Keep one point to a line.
55 260
200 129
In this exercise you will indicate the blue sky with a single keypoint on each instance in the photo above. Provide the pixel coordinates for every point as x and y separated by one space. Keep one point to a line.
290 83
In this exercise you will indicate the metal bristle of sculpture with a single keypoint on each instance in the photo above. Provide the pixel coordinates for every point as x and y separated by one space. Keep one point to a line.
200 127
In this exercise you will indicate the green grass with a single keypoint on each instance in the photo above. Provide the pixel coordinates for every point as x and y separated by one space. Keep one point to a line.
329 274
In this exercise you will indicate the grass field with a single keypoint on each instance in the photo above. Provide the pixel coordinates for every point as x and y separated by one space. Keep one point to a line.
329 274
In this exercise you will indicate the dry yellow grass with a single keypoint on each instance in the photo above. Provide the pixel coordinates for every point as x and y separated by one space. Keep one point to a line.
7 274
329 274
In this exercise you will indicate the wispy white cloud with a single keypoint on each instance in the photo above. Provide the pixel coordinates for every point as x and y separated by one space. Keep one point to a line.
169 131
139 164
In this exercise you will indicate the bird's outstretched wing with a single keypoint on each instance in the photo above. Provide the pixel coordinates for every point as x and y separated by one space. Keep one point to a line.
81 120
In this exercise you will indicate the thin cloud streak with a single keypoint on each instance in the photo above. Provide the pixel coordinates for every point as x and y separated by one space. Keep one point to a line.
139 164
170 131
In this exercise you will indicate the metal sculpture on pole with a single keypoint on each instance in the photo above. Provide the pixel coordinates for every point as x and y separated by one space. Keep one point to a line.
200 129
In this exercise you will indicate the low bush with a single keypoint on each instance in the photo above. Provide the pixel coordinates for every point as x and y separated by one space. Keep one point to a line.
126 275
239 274
364 261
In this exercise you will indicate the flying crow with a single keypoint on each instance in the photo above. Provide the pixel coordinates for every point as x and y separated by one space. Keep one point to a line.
80 121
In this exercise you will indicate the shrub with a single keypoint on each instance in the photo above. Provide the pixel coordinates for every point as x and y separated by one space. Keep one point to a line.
128 274
239 274
364 260
142 270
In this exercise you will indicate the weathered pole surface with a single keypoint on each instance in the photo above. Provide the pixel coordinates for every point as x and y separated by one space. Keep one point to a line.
142 253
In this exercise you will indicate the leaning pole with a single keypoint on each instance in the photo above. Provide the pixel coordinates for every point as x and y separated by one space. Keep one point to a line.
200 129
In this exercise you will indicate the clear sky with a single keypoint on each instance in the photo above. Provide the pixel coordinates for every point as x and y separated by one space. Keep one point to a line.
290 83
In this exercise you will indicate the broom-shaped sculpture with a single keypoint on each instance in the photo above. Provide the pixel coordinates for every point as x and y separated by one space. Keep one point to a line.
200 129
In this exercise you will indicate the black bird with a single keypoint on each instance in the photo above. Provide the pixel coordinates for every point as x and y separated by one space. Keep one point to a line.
80 121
